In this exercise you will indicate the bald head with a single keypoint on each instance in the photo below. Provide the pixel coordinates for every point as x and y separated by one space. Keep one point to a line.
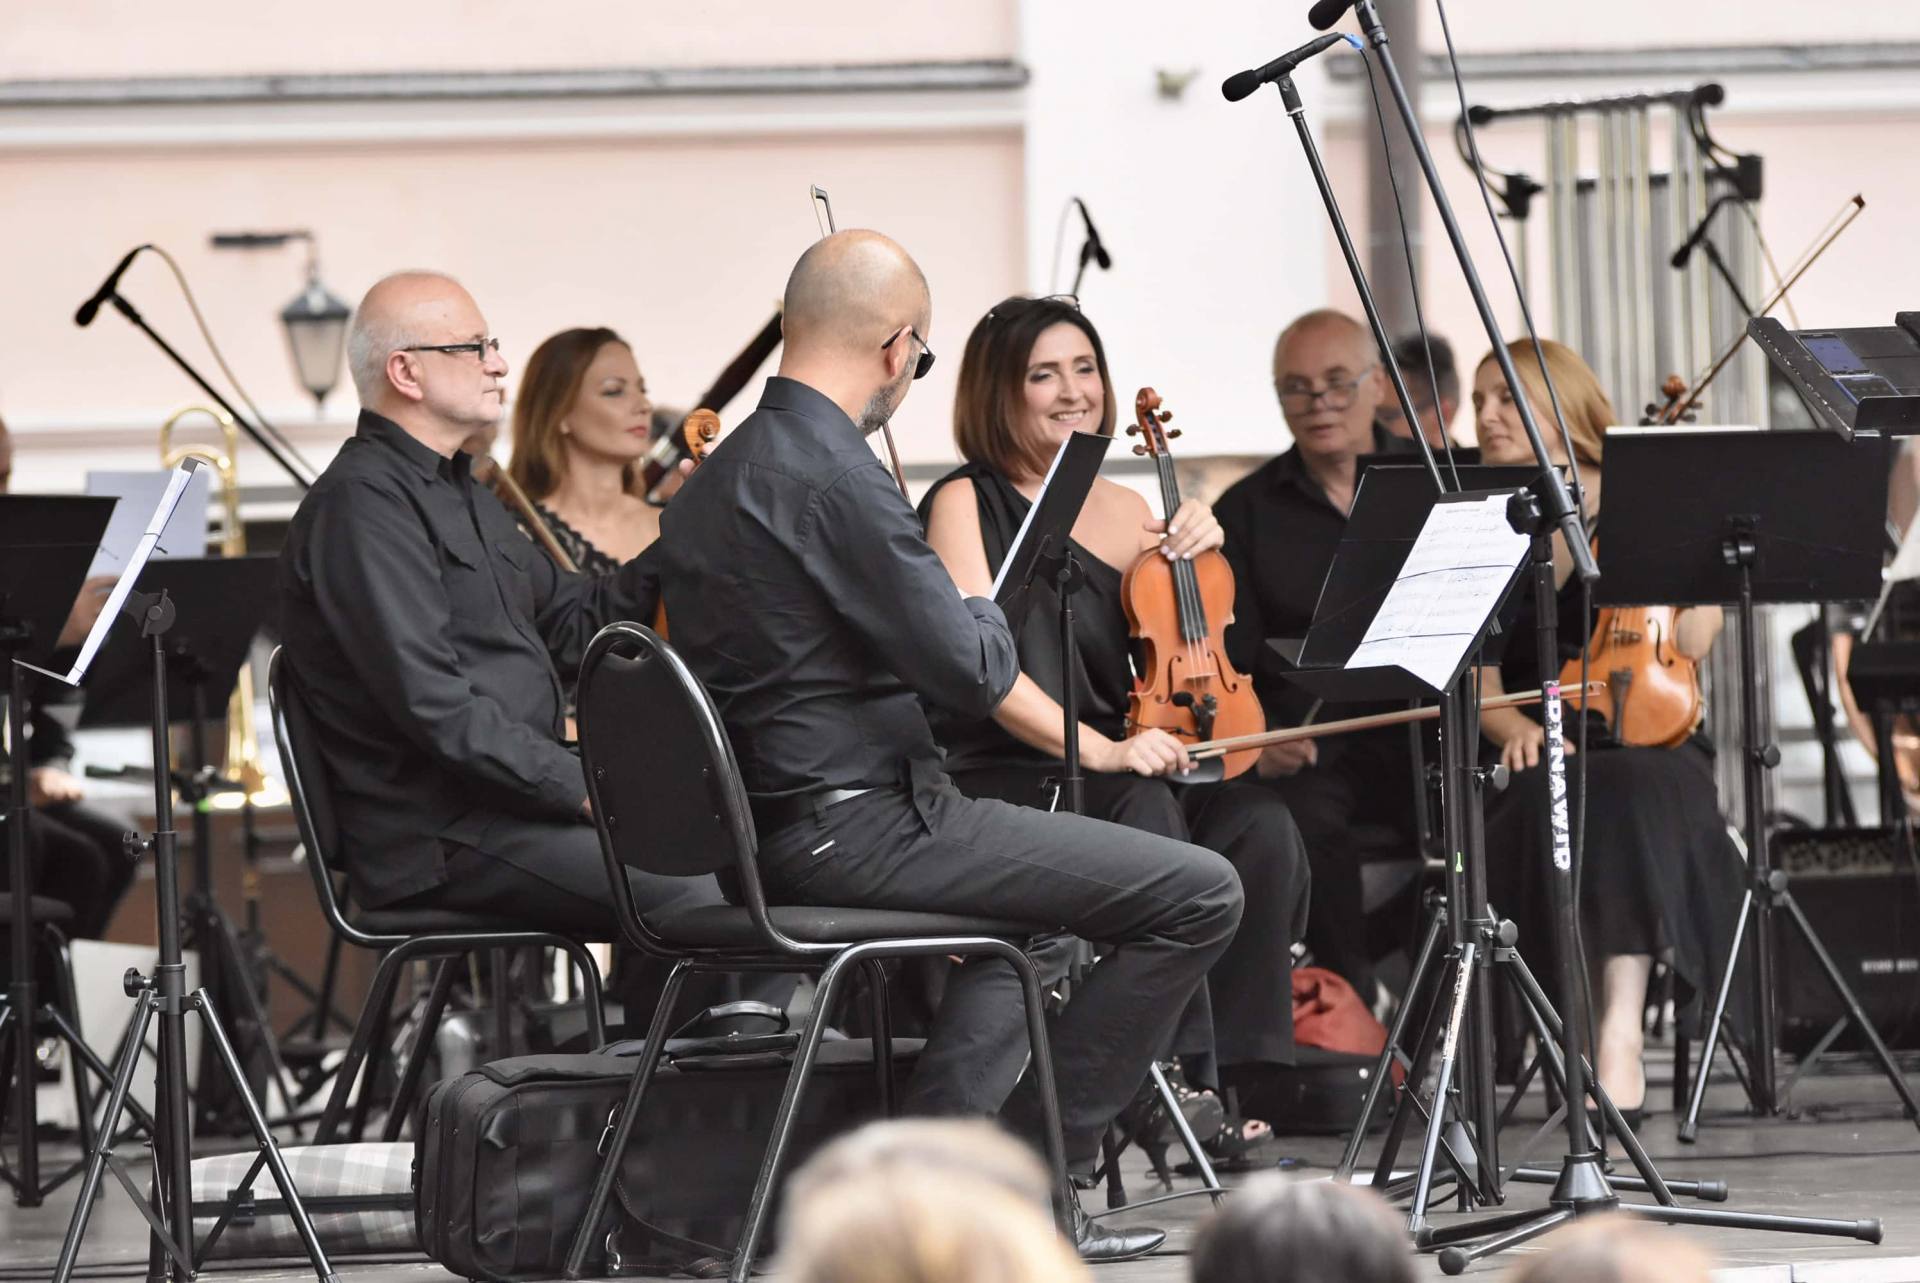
1330 324
851 291
398 369
856 319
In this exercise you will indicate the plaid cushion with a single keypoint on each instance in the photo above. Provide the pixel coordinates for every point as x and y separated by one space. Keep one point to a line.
325 1176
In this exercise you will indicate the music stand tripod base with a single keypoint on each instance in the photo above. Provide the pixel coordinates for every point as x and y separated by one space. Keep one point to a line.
163 995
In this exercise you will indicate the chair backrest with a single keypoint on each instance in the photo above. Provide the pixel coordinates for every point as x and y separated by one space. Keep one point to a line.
666 791
308 787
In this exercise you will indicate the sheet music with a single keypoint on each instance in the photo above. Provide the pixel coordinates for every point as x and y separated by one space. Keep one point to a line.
1451 582
139 492
177 483
1020 535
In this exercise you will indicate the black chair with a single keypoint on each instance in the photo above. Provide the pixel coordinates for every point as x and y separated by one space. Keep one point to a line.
405 935
668 800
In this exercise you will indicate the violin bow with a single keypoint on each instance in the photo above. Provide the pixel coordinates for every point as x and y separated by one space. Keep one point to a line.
1221 747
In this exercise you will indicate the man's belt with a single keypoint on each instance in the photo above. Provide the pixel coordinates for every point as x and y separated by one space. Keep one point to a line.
776 813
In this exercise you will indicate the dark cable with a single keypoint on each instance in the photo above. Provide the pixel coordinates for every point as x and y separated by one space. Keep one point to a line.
1413 275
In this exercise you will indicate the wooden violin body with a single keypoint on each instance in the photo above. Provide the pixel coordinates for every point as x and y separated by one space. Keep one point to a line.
1179 611
1652 695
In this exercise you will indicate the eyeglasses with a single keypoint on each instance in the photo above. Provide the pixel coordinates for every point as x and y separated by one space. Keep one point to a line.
1337 395
926 353
482 348
1015 305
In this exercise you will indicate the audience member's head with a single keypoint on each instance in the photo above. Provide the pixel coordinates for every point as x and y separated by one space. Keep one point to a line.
420 355
1614 1249
1436 413
1276 1230
961 1147
923 1201
1326 372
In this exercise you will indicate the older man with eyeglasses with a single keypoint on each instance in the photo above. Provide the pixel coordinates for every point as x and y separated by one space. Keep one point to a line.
423 631
1283 523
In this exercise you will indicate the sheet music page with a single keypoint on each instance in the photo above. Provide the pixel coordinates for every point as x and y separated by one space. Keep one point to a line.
1020 535
177 484
139 492
1451 582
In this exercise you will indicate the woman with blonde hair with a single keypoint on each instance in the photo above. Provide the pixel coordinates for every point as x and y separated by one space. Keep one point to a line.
1657 875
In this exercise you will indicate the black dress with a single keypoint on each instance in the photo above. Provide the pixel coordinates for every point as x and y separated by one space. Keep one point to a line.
1657 870
586 555
1249 987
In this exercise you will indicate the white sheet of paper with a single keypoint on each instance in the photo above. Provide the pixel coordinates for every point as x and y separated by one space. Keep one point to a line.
1450 583
177 483
1019 536
138 492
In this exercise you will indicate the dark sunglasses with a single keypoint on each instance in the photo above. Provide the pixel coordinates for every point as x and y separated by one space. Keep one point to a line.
926 353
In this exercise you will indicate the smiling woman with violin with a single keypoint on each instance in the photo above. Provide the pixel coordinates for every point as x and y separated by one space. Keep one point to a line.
1034 370
1658 875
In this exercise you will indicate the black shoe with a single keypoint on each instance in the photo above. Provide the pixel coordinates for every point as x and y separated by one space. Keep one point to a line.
1098 1243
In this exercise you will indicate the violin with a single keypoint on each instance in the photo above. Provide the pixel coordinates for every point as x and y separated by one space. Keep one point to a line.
1179 611
1652 695
665 455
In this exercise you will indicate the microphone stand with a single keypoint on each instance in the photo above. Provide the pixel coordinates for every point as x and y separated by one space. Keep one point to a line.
260 438
1582 1186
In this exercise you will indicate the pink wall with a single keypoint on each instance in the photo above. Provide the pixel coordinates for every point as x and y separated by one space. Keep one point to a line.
228 37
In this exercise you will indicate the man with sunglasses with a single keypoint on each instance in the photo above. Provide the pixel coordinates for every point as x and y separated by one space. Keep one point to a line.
422 631
806 598
1283 523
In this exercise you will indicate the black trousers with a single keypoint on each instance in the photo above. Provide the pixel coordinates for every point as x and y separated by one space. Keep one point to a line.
1168 910
1243 1015
77 858
1363 780
550 876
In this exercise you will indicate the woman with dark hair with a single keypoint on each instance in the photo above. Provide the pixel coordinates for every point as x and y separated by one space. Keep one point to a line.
580 422
1657 873
1035 370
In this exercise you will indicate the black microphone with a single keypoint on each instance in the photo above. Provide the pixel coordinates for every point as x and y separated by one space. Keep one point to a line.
1327 12
1239 86
1692 243
1093 248
84 317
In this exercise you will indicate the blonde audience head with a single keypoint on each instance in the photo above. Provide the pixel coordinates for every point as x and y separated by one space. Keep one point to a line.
1614 1249
1276 1230
923 1201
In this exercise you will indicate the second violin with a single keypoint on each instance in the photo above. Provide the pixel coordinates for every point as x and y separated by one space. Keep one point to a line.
1179 611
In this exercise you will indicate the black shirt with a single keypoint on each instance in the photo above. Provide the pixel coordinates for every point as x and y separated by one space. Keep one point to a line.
1100 636
423 628
804 595
1282 532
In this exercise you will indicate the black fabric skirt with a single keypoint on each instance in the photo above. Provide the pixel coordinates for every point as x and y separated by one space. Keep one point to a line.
1657 874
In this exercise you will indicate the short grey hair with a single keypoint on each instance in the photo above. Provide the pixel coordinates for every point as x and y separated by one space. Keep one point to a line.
1329 316
372 339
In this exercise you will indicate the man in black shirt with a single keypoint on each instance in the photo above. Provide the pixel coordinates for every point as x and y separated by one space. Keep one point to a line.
1283 523
1391 432
802 592
423 629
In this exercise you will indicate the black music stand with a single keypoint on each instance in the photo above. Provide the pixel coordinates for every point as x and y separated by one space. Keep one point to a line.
46 544
223 602
1042 560
1725 516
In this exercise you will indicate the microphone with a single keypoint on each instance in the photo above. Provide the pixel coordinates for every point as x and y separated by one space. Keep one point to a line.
1093 248
84 316
1239 86
1327 12
1692 243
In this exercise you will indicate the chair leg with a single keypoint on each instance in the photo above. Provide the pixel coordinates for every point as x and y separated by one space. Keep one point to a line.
882 1015
590 992
797 1078
1041 1051
417 1053
615 1148
497 964
379 998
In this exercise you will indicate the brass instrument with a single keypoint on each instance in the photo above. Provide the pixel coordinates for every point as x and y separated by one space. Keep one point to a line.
242 758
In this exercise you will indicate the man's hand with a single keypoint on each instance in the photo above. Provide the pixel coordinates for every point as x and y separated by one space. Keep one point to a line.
86 609
1288 758
50 786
